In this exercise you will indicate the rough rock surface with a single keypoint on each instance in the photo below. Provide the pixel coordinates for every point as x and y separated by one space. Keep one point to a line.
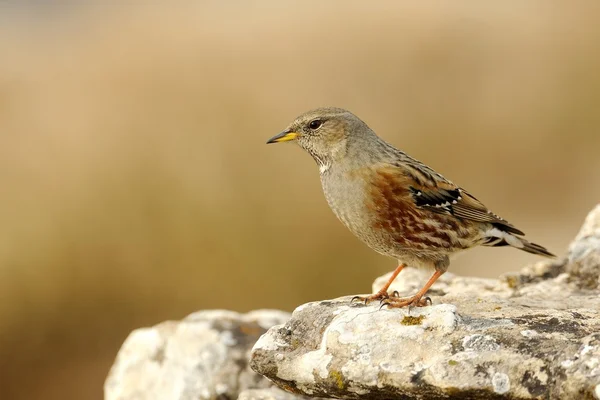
531 335
204 356
273 393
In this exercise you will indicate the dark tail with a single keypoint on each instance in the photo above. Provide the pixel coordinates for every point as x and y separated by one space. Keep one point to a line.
497 237
534 248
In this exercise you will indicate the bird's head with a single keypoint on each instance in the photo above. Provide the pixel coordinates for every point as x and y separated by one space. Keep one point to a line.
324 133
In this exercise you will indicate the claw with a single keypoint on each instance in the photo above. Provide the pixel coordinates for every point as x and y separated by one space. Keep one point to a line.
384 303
373 297
395 293
409 303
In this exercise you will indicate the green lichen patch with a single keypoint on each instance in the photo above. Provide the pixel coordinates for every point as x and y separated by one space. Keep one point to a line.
338 378
410 320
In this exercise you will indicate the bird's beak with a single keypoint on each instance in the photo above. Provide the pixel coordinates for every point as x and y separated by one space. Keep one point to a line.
284 136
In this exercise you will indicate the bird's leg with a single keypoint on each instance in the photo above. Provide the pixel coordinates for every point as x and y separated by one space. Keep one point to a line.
417 300
382 293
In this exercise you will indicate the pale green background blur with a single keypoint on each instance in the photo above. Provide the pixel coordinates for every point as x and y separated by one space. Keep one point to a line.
136 186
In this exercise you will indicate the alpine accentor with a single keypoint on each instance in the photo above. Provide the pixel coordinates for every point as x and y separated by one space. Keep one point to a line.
397 205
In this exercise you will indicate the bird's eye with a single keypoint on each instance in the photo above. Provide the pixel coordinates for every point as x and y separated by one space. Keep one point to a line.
315 124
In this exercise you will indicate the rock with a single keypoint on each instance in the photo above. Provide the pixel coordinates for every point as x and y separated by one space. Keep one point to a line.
268 394
204 356
528 335
583 264
531 335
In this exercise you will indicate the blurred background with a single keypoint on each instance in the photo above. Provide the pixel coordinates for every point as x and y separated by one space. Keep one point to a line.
136 185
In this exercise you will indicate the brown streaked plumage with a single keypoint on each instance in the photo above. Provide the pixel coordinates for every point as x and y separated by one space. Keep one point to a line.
395 204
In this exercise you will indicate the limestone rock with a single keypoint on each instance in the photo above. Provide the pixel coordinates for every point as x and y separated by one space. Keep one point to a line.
272 393
584 253
204 356
528 335
531 335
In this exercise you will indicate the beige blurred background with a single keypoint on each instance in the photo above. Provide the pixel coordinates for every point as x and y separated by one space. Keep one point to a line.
136 186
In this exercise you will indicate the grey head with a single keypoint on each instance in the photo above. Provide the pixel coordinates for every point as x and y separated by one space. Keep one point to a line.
330 135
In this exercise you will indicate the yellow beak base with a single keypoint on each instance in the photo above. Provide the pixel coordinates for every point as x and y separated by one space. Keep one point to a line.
283 137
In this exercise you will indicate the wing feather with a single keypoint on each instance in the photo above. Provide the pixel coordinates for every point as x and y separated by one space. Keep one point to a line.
432 191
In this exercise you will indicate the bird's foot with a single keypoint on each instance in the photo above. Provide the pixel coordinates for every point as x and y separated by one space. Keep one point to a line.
379 296
410 302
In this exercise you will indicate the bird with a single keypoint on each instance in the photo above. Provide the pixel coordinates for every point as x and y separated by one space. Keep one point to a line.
395 204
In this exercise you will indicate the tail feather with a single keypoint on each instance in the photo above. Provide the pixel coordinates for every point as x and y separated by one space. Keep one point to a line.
534 248
506 227
496 238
